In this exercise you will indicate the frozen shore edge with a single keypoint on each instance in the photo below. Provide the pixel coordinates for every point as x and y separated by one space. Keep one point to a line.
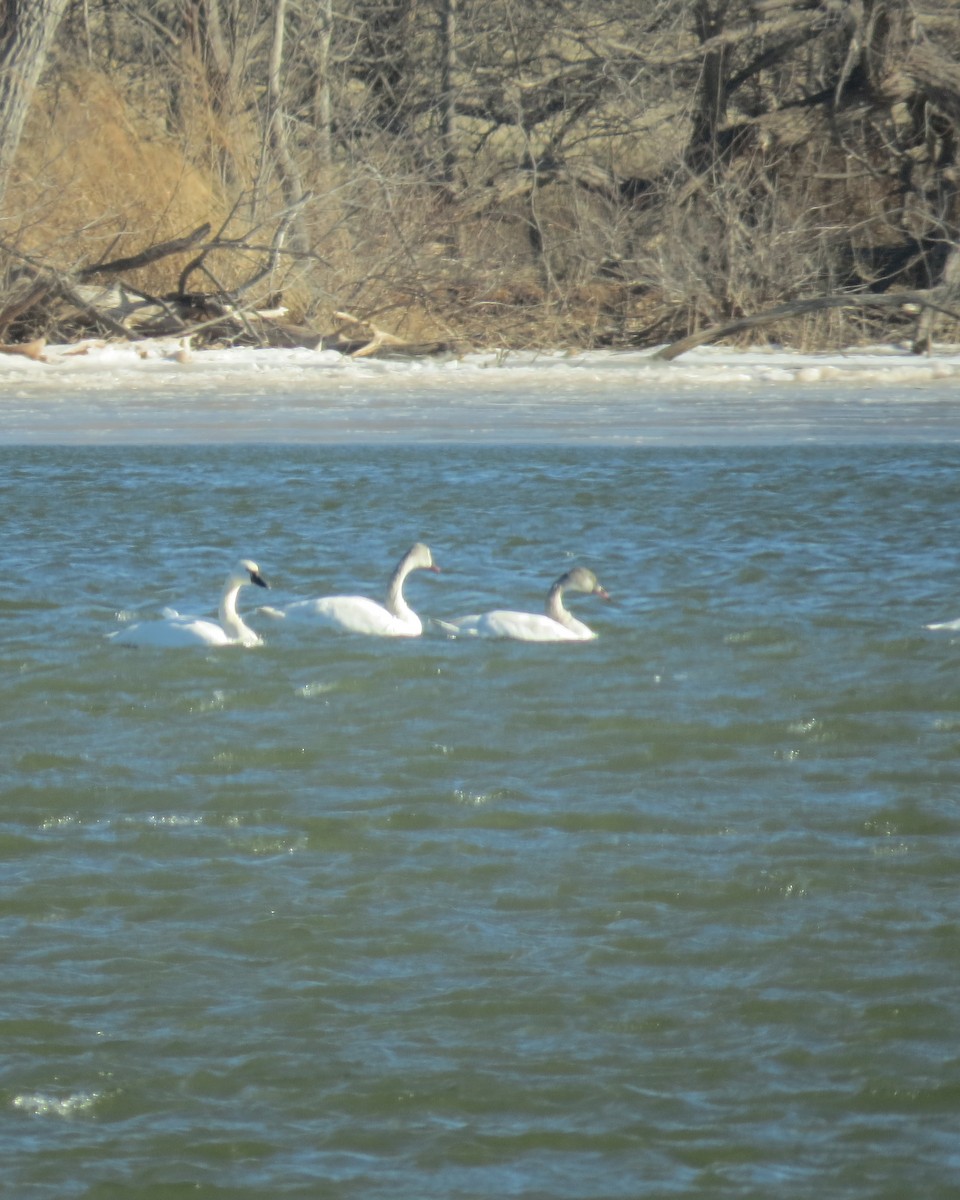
168 363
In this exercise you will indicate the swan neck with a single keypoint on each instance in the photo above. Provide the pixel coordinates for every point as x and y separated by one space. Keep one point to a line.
395 601
230 619
555 607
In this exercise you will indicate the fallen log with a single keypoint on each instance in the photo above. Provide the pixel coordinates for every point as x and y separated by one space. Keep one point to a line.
799 308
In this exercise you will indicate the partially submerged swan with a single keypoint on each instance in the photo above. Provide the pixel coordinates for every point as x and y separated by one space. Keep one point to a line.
173 630
358 614
556 625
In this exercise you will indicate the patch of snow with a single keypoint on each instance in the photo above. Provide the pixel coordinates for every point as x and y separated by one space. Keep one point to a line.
118 364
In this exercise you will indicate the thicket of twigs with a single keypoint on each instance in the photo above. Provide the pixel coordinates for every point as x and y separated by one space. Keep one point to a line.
586 172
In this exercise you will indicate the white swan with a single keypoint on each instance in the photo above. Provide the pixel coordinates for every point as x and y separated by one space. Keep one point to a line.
949 625
174 630
557 625
358 614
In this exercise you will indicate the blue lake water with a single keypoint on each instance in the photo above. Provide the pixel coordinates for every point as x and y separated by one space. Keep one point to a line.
670 913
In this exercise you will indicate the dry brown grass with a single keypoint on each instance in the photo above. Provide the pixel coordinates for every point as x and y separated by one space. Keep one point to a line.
88 184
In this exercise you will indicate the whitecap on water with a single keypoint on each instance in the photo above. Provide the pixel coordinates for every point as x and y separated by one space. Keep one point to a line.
62 821
37 1104
309 690
466 796
172 820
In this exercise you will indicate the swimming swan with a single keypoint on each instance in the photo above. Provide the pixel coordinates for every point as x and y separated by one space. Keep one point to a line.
357 614
174 630
558 625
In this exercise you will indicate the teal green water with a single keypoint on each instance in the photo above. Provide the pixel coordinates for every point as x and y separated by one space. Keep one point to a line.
673 913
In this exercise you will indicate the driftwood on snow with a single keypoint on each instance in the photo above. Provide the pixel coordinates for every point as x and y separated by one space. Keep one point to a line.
357 338
360 339
32 349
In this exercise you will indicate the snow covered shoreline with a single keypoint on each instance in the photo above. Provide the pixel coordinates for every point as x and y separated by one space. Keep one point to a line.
162 392
118 365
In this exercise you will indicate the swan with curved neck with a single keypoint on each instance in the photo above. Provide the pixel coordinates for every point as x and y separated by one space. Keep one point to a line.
557 624
174 630
359 614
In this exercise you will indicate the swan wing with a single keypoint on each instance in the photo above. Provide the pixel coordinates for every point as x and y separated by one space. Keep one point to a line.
515 626
353 614
527 627
174 633
436 625
276 614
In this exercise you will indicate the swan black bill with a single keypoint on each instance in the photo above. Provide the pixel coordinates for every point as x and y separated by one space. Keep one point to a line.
258 580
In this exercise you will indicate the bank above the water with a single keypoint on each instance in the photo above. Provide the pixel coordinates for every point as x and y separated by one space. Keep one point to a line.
123 365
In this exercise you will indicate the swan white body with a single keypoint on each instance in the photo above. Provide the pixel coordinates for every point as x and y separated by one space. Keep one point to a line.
557 624
359 614
173 630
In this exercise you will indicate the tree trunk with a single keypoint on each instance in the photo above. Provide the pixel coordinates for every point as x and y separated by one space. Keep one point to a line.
448 99
323 102
711 106
27 30
290 181
211 49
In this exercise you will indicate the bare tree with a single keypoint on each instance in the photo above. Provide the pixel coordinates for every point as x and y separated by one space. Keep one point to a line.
287 167
323 92
448 94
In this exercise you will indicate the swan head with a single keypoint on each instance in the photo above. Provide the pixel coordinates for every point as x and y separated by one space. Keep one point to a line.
582 579
419 558
247 571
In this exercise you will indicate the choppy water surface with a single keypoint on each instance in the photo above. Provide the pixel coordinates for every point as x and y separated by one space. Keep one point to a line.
673 913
